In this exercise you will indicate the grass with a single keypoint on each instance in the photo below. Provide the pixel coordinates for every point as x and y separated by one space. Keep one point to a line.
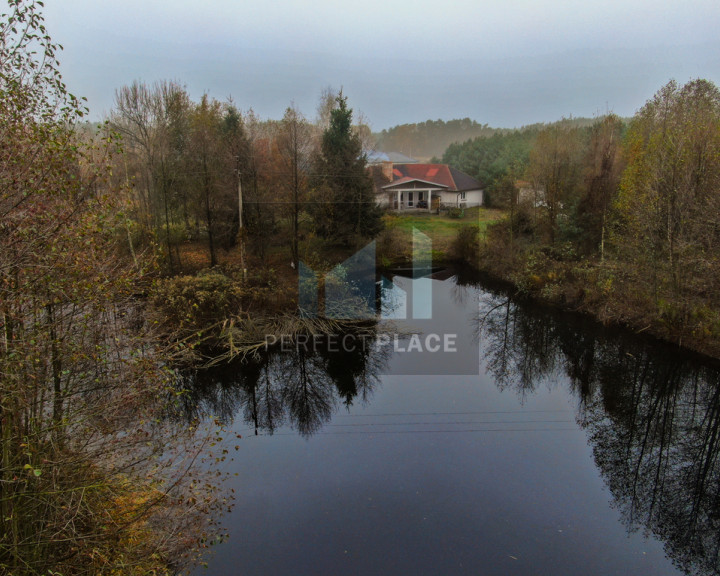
442 229
321 254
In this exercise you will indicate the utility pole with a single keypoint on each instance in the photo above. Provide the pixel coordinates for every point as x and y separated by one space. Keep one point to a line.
241 232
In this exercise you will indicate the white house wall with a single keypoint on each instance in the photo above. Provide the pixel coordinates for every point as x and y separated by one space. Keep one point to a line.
472 198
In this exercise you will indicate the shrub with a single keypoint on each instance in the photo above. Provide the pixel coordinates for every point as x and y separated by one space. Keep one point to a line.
466 245
391 247
193 303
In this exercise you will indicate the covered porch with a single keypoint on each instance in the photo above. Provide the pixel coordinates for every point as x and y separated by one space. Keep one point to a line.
414 195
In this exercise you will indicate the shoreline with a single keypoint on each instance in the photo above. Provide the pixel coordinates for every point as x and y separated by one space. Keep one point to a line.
575 298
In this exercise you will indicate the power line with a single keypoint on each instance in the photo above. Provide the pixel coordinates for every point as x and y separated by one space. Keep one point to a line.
449 413
469 430
455 423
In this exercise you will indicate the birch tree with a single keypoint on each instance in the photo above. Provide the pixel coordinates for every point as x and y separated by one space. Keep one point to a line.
669 199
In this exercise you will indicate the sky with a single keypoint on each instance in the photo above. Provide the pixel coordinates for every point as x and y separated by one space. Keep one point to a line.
507 63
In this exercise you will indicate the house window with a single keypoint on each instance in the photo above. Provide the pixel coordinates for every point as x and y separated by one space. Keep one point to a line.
410 198
462 195
420 195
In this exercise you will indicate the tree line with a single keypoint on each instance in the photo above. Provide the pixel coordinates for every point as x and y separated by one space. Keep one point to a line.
96 476
618 213
90 219
441 141
88 480
423 140
502 153
204 171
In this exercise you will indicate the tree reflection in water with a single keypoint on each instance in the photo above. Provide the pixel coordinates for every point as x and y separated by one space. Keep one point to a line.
652 415
301 385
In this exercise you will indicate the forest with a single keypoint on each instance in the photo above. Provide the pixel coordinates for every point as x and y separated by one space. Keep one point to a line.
424 140
171 231
434 139
618 218
102 228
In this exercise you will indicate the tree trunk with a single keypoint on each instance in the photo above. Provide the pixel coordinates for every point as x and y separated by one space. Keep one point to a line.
208 215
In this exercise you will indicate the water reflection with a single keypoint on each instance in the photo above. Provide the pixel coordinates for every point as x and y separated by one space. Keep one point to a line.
652 416
301 383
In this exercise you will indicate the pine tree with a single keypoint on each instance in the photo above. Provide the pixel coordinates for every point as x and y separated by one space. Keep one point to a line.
345 209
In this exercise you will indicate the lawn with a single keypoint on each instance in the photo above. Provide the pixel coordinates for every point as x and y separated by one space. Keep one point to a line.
441 228
321 254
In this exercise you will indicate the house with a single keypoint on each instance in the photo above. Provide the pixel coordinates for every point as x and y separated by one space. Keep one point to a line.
528 193
424 187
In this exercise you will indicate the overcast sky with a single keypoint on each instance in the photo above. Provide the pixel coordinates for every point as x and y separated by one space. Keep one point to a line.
502 62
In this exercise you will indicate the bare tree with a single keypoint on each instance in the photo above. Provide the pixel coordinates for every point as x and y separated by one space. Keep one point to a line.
294 142
153 122
603 167
554 169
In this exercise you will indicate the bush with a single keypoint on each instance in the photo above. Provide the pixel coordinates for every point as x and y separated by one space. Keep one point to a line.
466 245
391 246
455 212
524 221
193 303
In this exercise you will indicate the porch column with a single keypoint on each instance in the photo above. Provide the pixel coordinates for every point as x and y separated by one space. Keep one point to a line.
398 200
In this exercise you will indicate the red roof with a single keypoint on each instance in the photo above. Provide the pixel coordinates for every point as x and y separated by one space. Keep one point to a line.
439 174
406 179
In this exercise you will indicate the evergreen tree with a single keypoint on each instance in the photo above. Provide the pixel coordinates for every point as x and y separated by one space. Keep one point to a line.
344 207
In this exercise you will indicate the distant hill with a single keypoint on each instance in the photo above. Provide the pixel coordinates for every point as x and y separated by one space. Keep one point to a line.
425 140
491 158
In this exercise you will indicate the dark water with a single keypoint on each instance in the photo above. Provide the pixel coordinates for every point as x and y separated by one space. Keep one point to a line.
569 449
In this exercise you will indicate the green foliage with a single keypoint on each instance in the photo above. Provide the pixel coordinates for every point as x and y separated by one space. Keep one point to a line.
431 138
344 207
555 169
562 251
180 162
215 132
294 143
490 158
392 246
602 168
455 212
624 217
668 198
498 155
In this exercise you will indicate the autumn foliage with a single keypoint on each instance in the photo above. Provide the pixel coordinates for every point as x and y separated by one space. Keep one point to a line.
83 486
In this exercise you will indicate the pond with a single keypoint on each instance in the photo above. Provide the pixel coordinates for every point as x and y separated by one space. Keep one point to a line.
531 442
